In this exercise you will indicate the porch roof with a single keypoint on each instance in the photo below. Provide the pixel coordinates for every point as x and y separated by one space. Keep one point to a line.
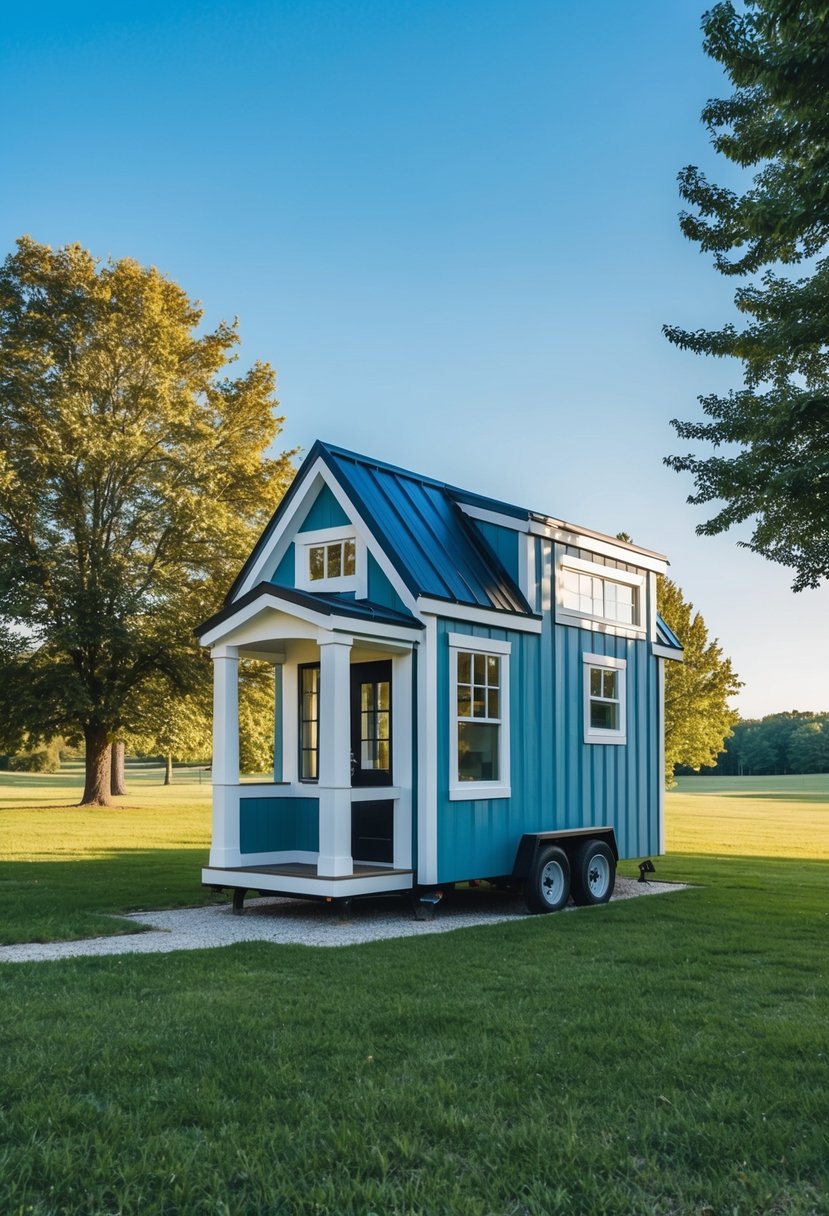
324 605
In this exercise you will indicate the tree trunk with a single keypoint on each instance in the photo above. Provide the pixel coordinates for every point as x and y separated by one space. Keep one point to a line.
98 780
168 771
117 782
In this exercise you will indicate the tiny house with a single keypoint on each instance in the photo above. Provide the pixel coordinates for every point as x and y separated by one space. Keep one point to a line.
463 689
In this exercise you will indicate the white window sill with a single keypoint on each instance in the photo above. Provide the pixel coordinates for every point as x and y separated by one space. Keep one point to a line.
597 736
569 616
474 790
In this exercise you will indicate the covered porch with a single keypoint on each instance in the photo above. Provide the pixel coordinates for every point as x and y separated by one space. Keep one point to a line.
336 820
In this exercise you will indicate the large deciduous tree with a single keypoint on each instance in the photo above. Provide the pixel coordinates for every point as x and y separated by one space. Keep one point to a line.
133 477
698 718
771 436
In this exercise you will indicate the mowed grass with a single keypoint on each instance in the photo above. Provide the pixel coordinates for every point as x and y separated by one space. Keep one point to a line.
65 871
654 1057
751 816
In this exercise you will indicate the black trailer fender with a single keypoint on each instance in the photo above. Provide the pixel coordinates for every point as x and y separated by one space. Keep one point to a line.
569 839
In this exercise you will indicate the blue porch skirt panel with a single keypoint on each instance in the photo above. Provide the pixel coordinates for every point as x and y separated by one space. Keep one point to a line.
275 825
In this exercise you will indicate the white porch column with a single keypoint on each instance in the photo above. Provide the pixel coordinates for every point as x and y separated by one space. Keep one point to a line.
225 844
334 784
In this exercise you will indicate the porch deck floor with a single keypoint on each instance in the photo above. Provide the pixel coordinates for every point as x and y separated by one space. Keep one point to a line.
304 869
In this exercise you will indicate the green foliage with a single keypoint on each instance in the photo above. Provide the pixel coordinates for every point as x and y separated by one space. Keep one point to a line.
792 742
698 717
133 481
37 760
775 429
167 723
256 717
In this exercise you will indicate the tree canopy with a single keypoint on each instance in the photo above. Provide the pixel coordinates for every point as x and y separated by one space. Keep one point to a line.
698 718
790 742
134 476
771 436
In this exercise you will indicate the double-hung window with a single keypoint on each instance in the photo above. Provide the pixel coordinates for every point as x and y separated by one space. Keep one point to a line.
604 699
478 717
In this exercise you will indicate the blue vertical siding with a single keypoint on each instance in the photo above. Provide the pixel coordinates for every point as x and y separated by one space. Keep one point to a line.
273 825
326 512
505 543
557 780
285 573
380 590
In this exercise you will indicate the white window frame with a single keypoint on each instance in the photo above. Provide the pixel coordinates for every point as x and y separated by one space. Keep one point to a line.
304 542
602 662
466 791
608 574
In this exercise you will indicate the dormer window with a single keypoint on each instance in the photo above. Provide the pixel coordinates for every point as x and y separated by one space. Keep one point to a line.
330 559
334 560
593 595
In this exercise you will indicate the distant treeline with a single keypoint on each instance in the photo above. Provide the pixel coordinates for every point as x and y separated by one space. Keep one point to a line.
793 742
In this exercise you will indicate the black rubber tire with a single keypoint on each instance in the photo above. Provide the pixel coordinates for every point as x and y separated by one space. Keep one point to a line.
547 887
593 873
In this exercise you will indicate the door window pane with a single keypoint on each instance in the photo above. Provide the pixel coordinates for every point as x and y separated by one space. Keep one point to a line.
375 725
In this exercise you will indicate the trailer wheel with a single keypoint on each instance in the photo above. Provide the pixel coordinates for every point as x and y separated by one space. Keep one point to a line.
548 886
594 873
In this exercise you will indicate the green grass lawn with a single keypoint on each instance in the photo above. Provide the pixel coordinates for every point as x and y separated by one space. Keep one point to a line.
659 1056
67 869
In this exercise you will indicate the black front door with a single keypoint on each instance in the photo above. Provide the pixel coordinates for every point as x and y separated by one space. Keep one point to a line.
371 724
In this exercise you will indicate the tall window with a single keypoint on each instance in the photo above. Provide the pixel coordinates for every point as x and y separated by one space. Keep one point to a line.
604 699
479 717
309 721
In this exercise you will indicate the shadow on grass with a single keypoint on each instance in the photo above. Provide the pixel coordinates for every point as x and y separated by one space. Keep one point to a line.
65 900
818 797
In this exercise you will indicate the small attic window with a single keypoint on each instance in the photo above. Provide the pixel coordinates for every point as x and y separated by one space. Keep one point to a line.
329 559
333 560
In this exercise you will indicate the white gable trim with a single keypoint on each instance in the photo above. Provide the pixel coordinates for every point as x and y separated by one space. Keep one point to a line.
239 624
281 539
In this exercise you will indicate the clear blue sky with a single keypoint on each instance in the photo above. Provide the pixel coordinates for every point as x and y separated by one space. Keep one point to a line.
450 226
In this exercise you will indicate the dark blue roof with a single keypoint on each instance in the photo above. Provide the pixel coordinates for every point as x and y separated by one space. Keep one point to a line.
665 636
434 547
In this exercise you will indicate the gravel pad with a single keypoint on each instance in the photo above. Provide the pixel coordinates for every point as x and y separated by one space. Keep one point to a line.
304 923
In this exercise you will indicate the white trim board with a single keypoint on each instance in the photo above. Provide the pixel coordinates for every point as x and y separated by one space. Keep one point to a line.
478 616
306 885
